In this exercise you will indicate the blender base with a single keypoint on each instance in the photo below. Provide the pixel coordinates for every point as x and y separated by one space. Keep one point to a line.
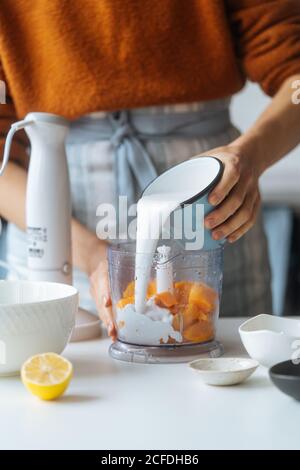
164 354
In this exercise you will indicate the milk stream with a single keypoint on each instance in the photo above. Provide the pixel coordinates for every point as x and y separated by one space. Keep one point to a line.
153 212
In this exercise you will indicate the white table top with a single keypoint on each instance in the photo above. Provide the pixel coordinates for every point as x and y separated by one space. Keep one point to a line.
114 405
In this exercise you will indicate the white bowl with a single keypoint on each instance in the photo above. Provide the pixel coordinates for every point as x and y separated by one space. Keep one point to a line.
224 371
270 339
35 317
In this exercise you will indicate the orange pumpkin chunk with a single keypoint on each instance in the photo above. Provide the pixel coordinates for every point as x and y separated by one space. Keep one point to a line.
165 299
203 296
199 332
182 291
190 315
176 323
187 317
151 290
175 309
129 291
125 301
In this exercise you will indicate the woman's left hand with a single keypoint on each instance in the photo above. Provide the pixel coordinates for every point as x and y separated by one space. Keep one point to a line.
99 285
100 291
236 195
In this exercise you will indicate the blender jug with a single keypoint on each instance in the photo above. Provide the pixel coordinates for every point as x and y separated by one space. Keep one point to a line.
184 283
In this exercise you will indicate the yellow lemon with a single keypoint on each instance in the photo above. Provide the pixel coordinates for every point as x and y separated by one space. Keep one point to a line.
46 375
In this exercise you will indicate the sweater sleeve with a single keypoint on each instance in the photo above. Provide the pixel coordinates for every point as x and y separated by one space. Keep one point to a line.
267 38
7 117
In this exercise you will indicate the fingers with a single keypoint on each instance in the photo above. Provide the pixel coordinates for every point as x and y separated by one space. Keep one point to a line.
229 179
100 291
103 284
106 315
236 195
111 329
244 228
228 207
244 217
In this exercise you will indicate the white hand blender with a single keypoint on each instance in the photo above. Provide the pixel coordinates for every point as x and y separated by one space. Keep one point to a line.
48 205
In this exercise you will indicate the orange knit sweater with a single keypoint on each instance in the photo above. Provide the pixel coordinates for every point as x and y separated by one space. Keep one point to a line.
73 57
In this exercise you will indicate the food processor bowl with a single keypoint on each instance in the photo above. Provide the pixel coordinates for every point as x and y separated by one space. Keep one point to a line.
179 323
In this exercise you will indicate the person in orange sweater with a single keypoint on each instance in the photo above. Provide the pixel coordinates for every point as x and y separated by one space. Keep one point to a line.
124 61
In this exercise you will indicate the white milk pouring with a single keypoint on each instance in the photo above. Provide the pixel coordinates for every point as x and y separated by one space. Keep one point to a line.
192 180
145 322
152 213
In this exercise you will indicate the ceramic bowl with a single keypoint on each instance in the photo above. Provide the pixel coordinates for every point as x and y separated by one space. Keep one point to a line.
270 339
224 371
286 376
35 317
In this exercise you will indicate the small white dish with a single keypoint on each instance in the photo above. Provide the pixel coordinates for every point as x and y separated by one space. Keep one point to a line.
270 339
224 371
35 317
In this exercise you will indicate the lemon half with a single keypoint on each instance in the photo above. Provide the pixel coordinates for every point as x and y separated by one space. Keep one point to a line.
47 375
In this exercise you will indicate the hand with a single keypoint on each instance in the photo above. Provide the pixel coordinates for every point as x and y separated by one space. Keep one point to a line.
100 289
236 195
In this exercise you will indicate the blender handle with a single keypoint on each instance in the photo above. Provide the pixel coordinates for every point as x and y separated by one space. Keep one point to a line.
14 128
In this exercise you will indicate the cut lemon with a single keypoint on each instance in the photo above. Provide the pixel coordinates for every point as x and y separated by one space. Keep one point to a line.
47 375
